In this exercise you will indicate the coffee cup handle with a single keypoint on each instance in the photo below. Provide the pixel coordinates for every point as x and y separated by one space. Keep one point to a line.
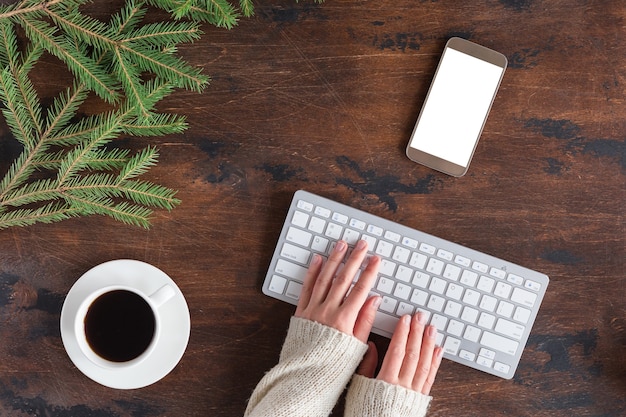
162 295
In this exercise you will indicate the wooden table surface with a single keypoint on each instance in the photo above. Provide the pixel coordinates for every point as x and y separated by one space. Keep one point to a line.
324 98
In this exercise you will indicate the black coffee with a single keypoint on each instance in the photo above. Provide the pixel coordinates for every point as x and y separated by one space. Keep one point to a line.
119 325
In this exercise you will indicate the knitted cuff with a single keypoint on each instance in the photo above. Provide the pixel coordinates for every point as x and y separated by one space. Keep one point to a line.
309 340
372 397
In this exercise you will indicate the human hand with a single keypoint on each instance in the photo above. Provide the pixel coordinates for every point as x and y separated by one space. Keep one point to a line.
412 359
323 297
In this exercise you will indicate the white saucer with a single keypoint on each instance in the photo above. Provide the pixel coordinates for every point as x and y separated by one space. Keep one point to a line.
174 320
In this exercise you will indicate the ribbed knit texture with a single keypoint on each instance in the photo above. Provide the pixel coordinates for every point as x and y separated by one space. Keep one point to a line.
369 397
316 364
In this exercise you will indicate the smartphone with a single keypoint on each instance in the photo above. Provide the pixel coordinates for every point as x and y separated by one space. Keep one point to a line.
456 107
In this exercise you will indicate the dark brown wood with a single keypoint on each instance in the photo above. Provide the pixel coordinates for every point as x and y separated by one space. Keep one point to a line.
324 97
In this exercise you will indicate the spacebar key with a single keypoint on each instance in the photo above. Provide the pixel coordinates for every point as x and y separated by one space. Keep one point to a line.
385 322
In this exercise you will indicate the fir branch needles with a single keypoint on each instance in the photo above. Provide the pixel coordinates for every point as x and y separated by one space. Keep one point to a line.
69 165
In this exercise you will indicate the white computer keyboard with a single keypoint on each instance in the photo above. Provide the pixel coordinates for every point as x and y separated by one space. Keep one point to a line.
483 307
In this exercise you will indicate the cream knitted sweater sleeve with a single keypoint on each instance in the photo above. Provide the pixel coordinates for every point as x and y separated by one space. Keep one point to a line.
316 363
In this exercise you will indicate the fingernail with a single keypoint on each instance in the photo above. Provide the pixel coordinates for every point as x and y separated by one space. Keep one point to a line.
421 317
432 331
340 246
316 259
361 244
377 302
406 319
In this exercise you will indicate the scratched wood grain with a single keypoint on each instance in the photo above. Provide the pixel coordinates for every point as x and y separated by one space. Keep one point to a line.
324 97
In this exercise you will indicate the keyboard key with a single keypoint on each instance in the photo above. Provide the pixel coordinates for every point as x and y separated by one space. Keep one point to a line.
487 353
499 343
387 267
454 291
322 211
317 225
471 297
469 278
357 224
351 237
439 321
300 219
444 254
402 291
498 273
503 290
509 328
505 309
394 237
468 356
484 362
501 367
456 328
463 261
524 297
375 230
295 253
453 309
488 303
404 274
385 322
437 285
319 244
411 243
371 242
401 254
480 267
277 284
515 279
435 266
388 304
384 248
472 334
486 321
298 236
340 218
426 248
522 315
451 346
419 297
305 205
435 303
452 272
293 290
421 279
404 309
333 231
290 270
532 285
385 285
469 315
485 284
418 260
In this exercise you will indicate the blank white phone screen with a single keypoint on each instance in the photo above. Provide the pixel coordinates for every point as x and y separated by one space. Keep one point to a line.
457 104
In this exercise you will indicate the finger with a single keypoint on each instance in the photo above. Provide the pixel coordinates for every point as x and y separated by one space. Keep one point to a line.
433 371
394 357
413 349
309 283
344 278
367 367
426 359
365 319
326 276
361 289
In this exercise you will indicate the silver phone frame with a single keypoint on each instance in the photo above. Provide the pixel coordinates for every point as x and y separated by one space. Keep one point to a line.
477 51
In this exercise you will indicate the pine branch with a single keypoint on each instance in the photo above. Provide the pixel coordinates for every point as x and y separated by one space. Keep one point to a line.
70 165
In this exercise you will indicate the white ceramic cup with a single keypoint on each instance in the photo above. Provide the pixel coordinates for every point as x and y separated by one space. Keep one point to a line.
155 300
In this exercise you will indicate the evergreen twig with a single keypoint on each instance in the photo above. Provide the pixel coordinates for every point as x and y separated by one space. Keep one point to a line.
68 166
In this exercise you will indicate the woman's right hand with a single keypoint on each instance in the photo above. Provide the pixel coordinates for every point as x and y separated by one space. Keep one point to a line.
412 359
